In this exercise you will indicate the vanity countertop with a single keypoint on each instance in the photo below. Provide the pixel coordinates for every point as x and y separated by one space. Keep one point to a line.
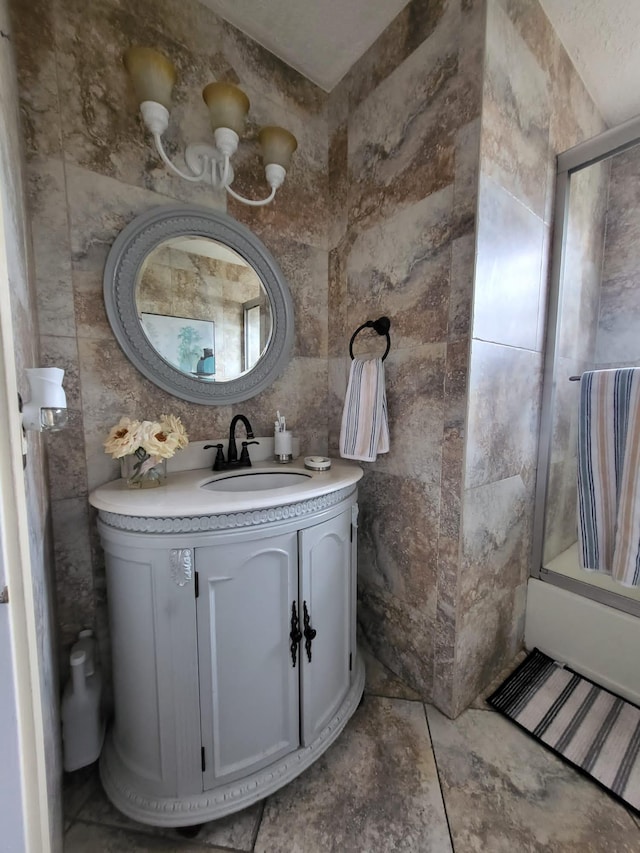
184 495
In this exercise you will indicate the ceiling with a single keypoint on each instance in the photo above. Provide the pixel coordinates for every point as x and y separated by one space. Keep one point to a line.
323 38
319 38
602 37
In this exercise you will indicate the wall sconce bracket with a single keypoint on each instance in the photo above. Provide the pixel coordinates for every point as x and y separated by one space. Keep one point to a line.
208 162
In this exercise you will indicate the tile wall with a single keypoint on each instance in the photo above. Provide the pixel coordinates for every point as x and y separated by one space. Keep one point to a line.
404 139
618 337
16 241
443 146
91 169
534 107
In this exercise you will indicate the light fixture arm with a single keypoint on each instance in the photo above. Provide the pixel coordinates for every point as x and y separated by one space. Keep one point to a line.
250 201
156 118
214 161
237 196
165 159
224 177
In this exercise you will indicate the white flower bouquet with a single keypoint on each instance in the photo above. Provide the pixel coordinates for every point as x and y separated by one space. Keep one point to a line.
150 442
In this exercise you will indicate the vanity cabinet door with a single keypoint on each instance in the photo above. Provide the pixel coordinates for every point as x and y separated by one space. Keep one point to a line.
248 687
155 664
325 595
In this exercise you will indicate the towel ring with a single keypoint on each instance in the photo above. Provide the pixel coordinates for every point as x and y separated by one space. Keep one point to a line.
381 326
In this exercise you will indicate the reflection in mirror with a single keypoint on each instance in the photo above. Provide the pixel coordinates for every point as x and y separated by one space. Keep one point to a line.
203 308
198 304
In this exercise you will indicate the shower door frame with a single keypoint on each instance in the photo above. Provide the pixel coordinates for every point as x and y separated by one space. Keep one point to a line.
594 150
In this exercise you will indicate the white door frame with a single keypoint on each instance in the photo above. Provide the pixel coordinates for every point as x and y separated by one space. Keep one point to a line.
15 566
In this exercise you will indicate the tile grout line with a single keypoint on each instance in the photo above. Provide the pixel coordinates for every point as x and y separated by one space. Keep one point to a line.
635 817
90 789
186 843
388 696
435 761
256 830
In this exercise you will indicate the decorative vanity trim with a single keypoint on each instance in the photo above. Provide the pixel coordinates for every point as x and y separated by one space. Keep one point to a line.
181 561
227 521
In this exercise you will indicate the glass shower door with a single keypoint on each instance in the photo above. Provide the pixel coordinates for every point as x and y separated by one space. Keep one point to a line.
594 323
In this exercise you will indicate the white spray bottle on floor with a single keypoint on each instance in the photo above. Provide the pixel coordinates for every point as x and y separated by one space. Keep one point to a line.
82 718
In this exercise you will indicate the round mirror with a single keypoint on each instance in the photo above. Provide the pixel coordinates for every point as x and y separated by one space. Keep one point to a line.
198 304
203 308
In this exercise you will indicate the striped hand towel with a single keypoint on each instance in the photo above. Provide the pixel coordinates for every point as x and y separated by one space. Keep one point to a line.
365 428
608 474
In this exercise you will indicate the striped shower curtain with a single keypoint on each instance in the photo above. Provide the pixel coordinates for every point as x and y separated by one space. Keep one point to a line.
609 474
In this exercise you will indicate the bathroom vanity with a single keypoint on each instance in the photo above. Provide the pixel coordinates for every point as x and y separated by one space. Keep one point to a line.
232 602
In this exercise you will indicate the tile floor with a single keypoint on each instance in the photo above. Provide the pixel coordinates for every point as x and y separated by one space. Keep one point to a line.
402 777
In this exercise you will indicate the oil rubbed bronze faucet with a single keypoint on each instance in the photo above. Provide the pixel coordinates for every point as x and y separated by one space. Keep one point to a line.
232 461
232 450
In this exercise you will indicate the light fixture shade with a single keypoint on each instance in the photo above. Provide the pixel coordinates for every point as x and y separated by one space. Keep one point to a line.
277 146
228 106
152 74
47 408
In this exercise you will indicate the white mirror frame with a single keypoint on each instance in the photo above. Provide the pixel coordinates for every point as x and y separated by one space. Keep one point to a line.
123 265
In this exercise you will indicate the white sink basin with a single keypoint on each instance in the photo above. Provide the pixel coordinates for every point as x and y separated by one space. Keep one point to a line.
200 491
256 481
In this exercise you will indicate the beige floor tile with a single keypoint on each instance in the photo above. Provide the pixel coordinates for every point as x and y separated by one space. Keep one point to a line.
77 788
375 790
505 793
93 838
236 831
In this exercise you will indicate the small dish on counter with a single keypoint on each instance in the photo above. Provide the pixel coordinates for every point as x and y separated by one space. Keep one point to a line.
317 463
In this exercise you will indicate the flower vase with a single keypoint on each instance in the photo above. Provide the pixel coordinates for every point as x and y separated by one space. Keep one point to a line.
142 471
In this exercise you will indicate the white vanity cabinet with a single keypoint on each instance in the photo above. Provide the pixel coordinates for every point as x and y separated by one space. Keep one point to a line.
234 653
327 598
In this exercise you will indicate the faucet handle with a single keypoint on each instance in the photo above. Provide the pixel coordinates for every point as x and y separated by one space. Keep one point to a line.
245 461
219 463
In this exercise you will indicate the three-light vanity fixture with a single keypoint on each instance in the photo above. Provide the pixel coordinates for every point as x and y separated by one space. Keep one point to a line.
153 76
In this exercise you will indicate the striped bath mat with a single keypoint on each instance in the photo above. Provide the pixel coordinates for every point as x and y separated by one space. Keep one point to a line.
594 730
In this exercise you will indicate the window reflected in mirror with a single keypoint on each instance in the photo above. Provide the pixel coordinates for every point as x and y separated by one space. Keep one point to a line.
203 308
